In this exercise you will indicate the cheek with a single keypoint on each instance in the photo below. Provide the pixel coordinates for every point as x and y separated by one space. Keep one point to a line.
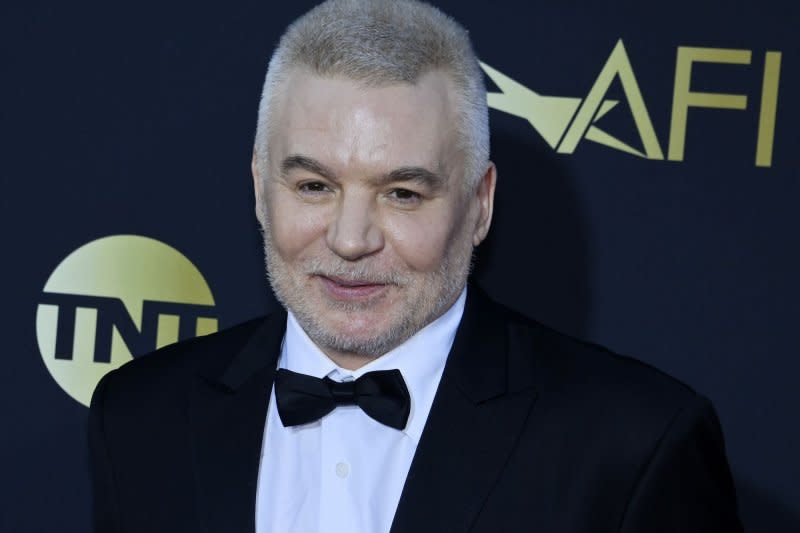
422 241
293 228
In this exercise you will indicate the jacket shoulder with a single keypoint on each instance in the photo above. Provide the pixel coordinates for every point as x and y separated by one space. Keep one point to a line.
607 409
626 437
160 378
589 376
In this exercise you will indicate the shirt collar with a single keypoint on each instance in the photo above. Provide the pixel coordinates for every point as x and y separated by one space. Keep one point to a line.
420 359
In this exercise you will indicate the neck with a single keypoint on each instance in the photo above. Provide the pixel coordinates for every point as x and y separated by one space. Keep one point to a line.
348 361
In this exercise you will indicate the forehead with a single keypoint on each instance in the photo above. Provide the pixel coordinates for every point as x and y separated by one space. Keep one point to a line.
346 124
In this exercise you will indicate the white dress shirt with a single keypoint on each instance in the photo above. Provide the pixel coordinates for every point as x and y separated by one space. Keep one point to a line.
345 472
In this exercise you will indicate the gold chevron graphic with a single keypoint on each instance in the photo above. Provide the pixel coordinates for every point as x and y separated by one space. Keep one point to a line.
562 121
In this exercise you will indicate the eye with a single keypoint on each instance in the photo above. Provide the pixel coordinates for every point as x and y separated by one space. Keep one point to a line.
312 187
405 196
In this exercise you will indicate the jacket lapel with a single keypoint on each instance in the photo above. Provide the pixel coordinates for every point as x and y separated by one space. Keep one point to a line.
481 405
227 412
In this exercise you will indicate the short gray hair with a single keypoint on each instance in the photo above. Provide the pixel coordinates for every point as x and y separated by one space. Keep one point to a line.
380 43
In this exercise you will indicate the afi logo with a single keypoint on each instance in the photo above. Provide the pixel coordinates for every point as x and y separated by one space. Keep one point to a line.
564 121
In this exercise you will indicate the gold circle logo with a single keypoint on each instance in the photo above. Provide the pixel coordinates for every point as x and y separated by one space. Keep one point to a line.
115 298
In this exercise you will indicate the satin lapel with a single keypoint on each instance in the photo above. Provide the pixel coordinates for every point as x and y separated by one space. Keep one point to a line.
227 414
483 400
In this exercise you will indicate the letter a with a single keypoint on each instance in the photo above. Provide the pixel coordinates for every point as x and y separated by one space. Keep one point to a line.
595 106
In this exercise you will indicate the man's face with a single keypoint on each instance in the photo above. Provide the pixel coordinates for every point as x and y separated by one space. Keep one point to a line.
368 224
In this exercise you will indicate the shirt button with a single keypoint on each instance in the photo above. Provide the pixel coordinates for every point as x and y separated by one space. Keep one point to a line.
342 470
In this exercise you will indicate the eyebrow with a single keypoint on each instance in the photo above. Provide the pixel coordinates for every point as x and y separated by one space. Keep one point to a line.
419 175
306 163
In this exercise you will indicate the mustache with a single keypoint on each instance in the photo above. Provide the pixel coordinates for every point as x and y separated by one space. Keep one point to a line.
355 272
365 271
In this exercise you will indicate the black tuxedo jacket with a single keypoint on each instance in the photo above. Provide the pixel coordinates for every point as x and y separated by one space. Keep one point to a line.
529 431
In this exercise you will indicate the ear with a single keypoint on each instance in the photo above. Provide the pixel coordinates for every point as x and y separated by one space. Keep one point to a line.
484 196
257 188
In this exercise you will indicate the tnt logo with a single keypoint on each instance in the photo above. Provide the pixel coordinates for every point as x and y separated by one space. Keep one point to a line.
115 298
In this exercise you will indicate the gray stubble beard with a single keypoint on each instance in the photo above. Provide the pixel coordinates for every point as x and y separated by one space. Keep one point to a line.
445 285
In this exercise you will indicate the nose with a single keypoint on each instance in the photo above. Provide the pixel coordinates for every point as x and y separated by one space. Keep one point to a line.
353 233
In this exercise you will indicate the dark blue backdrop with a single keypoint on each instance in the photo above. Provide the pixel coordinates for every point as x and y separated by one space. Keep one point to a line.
135 118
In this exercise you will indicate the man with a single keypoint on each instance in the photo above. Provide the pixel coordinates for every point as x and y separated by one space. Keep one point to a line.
392 396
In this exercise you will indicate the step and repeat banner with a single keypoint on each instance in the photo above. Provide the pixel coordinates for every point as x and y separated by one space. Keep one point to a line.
647 200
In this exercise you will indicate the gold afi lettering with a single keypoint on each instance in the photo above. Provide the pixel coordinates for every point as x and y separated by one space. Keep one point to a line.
592 110
683 98
564 121
769 106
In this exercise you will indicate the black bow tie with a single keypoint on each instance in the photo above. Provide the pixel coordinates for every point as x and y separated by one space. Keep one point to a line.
382 394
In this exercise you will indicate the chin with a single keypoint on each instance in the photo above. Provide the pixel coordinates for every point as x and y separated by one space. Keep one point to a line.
358 333
357 325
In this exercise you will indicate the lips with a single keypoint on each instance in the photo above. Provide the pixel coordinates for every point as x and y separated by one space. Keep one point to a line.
346 289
